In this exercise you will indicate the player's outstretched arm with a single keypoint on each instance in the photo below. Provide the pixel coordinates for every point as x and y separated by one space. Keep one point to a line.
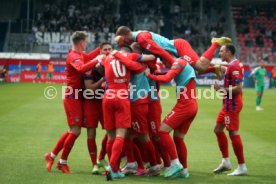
131 65
147 43
90 84
162 78
147 58
91 55
84 67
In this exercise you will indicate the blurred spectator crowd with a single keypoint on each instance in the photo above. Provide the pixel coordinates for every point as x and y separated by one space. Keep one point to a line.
96 16
180 19
196 26
255 25
256 32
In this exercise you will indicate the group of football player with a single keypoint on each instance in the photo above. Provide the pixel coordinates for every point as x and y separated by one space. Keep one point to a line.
130 109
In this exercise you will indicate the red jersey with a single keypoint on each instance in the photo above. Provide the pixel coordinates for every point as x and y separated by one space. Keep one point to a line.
117 70
146 41
116 74
75 67
233 76
136 57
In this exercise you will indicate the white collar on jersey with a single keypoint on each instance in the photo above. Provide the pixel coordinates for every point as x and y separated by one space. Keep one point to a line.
233 60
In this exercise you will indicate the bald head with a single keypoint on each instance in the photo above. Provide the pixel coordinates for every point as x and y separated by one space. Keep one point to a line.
123 31
123 36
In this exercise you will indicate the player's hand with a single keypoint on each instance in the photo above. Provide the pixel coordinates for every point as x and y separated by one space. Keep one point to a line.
101 57
113 52
119 40
103 85
129 85
216 86
98 65
256 81
147 71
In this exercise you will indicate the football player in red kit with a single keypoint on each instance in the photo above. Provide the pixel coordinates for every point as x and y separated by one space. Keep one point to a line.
228 117
116 109
77 63
180 117
92 106
155 108
163 47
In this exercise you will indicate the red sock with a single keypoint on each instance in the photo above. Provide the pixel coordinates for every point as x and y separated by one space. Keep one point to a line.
60 143
144 155
129 150
142 151
103 149
181 150
168 144
116 153
209 53
138 157
164 154
157 153
123 154
149 148
92 149
68 144
109 145
238 148
223 144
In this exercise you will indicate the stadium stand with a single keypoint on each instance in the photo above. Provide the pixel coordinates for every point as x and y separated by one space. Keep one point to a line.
256 32
76 15
196 26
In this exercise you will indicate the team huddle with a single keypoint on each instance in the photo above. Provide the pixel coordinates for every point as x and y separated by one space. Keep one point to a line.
130 109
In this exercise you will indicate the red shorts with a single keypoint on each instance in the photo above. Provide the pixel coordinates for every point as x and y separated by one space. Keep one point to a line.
139 113
93 113
182 115
185 51
154 116
116 113
230 119
74 111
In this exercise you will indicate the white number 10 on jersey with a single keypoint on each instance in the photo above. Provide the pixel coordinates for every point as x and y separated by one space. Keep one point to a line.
117 69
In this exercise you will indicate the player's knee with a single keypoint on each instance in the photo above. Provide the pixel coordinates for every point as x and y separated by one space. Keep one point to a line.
202 64
91 133
76 130
165 128
217 130
233 133
177 134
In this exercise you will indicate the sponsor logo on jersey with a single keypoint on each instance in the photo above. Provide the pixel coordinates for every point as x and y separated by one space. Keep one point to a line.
88 72
235 72
77 119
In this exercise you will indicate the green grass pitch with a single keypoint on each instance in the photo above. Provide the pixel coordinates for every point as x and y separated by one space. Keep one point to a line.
31 124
